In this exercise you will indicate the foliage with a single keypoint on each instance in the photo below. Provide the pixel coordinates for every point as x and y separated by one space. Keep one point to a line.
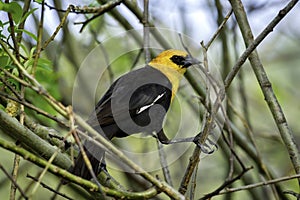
57 60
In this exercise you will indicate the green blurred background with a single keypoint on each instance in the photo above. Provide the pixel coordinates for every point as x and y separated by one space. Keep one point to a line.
66 55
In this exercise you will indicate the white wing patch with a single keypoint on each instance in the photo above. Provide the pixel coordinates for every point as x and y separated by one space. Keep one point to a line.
151 104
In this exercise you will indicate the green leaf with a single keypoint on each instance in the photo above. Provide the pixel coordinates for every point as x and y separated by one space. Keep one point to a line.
14 83
45 64
4 61
39 1
27 14
32 51
14 8
28 33
17 11
24 48
11 67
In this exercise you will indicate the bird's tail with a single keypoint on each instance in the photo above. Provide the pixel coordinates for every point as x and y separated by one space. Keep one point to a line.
96 156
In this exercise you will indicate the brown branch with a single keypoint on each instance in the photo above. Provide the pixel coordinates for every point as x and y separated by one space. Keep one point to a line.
146 31
221 26
14 182
225 184
49 188
149 193
270 97
31 106
101 10
63 20
12 33
39 40
98 139
210 117
22 24
139 14
247 187
80 10
80 145
251 46
28 139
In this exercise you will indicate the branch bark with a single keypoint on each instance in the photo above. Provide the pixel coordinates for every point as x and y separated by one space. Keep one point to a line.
270 97
30 140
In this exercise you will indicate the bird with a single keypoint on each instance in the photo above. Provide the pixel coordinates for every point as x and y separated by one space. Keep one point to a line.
136 102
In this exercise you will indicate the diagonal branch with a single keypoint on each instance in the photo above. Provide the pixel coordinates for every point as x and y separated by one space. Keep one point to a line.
251 46
225 184
67 175
101 10
29 139
270 97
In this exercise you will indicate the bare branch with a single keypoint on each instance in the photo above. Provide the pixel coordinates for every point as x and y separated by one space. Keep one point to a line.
270 97
13 182
146 31
251 46
225 184
247 187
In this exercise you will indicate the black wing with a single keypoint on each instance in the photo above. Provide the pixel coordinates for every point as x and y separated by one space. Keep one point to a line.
130 98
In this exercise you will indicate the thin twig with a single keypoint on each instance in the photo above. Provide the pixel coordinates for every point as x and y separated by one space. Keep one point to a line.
49 162
38 110
82 151
146 31
269 28
105 55
79 10
194 183
11 88
49 188
39 39
230 143
233 151
63 20
26 7
14 176
269 95
208 126
101 10
150 193
98 139
225 184
18 79
139 14
12 33
247 187
221 26
37 87
164 163
14 182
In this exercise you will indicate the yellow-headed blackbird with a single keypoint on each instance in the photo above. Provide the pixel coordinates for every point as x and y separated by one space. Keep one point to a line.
136 102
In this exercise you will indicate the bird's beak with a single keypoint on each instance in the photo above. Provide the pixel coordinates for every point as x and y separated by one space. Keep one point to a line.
189 60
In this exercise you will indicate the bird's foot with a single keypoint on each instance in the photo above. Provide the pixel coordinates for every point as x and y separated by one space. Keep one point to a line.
208 147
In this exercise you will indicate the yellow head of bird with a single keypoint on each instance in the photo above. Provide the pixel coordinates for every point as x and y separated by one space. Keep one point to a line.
173 64
173 60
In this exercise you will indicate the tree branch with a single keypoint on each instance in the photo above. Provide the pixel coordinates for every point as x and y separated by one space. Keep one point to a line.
30 140
270 97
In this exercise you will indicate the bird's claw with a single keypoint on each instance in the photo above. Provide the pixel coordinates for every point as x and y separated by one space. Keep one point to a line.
205 148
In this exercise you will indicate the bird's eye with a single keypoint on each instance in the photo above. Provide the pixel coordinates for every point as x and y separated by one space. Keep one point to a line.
178 60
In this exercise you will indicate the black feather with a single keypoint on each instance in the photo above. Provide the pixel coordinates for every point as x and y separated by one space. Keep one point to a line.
119 112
